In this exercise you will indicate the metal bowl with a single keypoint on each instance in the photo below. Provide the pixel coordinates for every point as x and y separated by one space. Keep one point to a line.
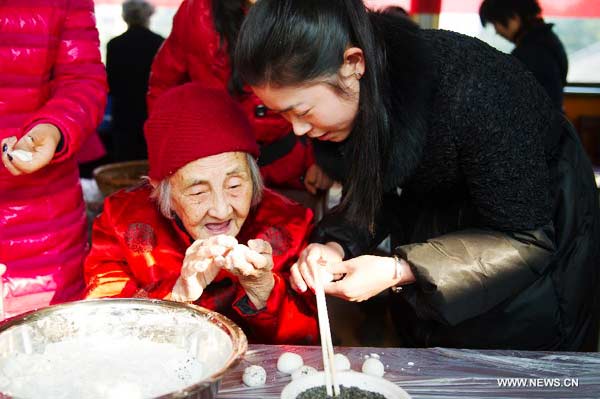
84 331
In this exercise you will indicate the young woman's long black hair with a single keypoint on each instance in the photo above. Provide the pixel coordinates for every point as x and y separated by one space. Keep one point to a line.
228 16
287 42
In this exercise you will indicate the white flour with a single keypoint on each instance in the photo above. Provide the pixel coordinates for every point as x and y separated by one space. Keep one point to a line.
102 367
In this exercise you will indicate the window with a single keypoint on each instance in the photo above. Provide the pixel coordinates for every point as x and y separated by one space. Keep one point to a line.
576 22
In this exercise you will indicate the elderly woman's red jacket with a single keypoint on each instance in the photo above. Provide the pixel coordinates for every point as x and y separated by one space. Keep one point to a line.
138 252
193 52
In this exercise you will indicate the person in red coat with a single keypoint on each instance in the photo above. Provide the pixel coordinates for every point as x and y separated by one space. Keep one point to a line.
199 49
202 229
52 97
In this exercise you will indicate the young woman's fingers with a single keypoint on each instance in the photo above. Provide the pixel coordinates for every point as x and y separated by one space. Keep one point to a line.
296 280
307 274
338 268
338 289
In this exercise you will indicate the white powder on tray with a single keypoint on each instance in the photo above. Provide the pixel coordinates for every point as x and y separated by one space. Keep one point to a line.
100 367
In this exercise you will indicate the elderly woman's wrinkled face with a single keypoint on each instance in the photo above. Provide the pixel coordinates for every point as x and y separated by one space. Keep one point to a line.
213 195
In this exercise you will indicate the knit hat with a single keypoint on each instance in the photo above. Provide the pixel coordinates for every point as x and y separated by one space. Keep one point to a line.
190 122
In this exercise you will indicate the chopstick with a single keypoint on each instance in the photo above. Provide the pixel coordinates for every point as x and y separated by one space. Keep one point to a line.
331 385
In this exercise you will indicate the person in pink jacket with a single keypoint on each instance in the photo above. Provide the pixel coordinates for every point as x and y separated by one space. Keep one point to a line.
52 96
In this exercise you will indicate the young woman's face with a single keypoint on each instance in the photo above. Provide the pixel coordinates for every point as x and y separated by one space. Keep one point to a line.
213 195
317 110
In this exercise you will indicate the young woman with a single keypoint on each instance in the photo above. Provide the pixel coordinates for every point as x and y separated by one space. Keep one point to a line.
452 148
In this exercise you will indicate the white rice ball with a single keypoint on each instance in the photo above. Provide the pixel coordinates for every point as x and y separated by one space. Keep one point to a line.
24 156
303 371
254 376
341 362
289 362
373 367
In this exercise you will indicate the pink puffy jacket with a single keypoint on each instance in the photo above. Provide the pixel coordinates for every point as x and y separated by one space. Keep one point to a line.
50 72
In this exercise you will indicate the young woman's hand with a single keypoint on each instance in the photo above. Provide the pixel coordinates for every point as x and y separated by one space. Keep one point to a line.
253 265
33 151
203 261
316 179
314 255
366 276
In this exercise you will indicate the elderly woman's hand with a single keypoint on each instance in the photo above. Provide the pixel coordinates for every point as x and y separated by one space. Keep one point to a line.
253 264
202 262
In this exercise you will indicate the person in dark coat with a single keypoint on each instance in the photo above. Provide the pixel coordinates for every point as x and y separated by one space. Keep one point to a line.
536 45
128 61
454 149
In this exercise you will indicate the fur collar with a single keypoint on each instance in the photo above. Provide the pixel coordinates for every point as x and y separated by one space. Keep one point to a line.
410 84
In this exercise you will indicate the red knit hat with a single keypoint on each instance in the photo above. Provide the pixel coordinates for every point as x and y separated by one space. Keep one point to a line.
190 122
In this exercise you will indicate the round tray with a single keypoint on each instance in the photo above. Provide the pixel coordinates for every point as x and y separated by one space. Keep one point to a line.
347 379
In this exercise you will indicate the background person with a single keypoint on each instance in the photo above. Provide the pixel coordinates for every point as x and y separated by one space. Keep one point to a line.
128 61
536 45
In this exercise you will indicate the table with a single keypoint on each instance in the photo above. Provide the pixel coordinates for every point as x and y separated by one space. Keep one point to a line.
441 373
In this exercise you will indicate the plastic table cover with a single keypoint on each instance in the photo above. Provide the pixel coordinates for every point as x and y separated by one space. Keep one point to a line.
440 372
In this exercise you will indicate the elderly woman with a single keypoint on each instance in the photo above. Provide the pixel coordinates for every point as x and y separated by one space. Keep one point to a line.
203 229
